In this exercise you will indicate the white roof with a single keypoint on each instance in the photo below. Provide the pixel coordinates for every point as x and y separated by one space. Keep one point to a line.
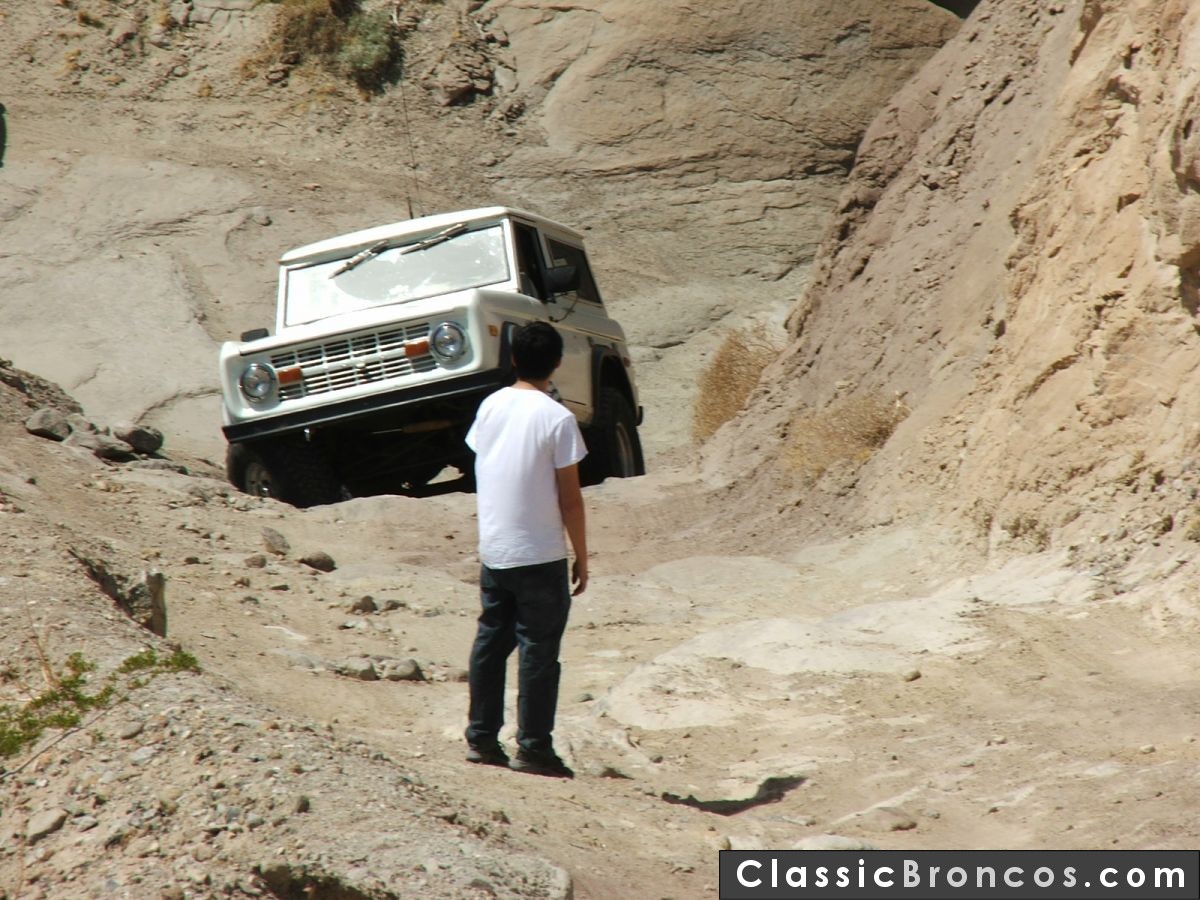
336 246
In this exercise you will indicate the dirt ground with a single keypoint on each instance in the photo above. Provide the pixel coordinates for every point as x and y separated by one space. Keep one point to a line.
883 687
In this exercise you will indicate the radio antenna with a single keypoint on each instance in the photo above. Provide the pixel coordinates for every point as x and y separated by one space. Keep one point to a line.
414 184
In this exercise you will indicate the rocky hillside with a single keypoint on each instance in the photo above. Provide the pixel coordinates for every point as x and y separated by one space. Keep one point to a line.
1013 263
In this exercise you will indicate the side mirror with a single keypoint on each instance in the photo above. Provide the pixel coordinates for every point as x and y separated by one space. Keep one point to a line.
256 334
562 279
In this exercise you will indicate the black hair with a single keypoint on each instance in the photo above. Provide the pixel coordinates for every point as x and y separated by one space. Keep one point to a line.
537 350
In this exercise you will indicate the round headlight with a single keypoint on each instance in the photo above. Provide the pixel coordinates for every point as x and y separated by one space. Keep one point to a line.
257 382
448 342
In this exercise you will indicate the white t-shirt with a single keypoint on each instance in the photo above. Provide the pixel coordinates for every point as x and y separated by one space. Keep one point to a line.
520 437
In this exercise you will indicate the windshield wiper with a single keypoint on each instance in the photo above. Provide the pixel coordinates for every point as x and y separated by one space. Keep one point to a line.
444 235
358 258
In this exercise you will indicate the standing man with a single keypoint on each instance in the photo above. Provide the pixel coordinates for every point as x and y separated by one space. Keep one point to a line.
527 452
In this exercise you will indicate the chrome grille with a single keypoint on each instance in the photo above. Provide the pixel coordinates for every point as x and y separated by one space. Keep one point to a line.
350 361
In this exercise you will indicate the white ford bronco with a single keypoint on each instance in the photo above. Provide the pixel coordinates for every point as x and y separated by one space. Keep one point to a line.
386 340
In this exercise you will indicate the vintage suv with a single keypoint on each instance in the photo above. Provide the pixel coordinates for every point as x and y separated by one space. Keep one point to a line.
386 340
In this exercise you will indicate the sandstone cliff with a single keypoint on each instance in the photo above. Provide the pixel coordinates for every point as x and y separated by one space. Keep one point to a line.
1014 261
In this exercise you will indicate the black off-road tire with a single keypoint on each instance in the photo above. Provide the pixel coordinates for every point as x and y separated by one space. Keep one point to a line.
614 449
292 471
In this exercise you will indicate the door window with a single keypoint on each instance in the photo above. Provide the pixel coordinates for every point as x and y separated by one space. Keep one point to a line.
566 255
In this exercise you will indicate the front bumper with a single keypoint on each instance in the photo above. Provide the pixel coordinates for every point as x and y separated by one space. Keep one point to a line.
334 414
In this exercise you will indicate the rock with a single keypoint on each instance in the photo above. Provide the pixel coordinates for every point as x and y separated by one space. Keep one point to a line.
911 675
143 597
302 805
103 446
132 730
255 561
298 659
82 424
364 604
402 670
458 675
359 667
142 438
884 818
275 543
49 423
123 32
319 560
44 823
832 842
159 465
86 823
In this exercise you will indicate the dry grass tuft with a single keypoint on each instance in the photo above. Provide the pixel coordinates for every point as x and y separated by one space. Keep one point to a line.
730 377
849 430
339 36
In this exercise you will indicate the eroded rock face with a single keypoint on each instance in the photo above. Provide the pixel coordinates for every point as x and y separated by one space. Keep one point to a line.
1015 256
723 135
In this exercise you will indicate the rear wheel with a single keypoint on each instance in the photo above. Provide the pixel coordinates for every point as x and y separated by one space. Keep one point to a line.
292 471
614 449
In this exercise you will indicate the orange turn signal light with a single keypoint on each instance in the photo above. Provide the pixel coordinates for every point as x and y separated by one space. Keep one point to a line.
290 376
417 348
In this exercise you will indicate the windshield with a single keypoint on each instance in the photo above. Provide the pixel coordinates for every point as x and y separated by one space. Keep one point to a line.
455 263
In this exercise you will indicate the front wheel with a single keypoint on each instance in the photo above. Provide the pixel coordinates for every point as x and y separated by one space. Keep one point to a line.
614 449
292 471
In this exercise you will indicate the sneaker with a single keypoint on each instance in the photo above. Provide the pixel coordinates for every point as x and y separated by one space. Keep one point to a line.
487 754
544 762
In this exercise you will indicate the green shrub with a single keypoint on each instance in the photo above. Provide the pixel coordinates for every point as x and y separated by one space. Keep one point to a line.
64 702
338 36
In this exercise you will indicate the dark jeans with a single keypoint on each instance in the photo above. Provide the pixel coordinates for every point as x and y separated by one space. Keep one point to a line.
524 607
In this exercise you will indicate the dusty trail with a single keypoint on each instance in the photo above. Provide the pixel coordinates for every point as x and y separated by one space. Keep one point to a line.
693 677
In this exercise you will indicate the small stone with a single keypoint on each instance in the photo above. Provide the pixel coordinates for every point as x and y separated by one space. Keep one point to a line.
275 543
458 675
911 675
1147 748
255 561
302 805
103 446
49 423
403 670
82 424
585 697
885 818
319 560
86 823
142 438
143 755
357 667
364 604
132 730
44 823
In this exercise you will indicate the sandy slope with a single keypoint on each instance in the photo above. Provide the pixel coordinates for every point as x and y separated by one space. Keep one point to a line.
737 630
